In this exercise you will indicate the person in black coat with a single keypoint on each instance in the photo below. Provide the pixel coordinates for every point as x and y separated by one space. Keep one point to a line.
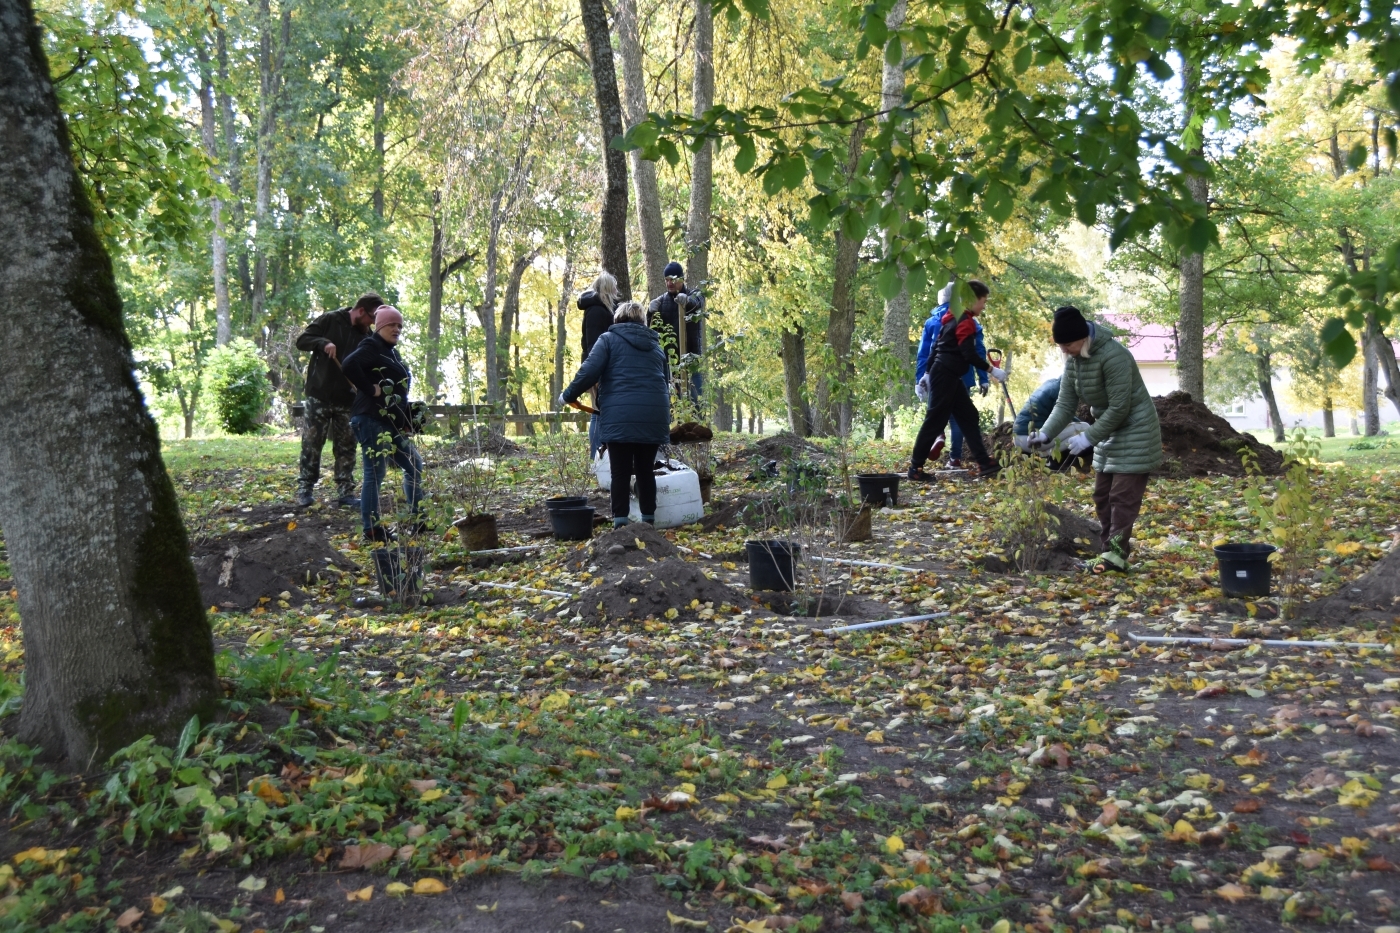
597 305
665 314
630 370
382 420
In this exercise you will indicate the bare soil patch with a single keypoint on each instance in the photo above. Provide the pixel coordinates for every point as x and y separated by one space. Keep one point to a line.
276 552
1076 537
621 549
1374 595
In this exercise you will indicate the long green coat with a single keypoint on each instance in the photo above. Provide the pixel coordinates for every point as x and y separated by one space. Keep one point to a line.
1126 433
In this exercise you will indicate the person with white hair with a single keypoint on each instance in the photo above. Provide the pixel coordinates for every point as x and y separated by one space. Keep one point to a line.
630 369
383 421
597 305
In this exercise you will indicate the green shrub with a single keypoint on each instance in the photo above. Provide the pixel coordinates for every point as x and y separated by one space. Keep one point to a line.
238 380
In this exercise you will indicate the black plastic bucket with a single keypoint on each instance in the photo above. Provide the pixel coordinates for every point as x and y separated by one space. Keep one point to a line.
772 565
1244 568
879 489
572 524
565 502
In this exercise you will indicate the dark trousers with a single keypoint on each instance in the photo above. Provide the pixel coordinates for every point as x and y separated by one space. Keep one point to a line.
319 421
1118 500
627 461
383 445
949 399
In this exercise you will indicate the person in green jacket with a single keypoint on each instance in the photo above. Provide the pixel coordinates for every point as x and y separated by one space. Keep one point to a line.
1126 436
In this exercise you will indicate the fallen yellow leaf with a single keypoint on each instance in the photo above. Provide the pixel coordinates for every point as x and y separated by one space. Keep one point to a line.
428 886
363 894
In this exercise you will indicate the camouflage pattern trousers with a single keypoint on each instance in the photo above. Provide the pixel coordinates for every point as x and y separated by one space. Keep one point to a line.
319 422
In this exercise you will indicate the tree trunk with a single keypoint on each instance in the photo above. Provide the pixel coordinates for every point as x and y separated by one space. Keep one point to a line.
649 221
795 381
486 311
895 332
561 331
1190 325
116 641
435 301
269 76
697 228
378 195
834 391
1264 372
223 329
1385 360
1329 420
613 223
510 310
233 175
1370 384
724 412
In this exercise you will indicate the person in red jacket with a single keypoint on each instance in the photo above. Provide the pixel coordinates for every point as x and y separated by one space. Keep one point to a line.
954 354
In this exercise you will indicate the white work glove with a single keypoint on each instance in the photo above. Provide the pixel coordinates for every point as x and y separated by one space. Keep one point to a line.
1038 439
923 388
1079 443
998 374
563 402
1022 443
683 301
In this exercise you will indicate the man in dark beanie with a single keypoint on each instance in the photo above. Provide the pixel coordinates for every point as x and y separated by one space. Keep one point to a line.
954 353
1125 436
664 317
326 412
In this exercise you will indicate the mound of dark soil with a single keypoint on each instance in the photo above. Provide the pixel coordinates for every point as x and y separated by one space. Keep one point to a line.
478 442
1075 538
635 545
780 447
739 512
275 555
648 592
1374 594
692 432
1197 442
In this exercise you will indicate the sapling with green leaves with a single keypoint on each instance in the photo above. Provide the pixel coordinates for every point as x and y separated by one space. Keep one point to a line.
1022 524
1292 515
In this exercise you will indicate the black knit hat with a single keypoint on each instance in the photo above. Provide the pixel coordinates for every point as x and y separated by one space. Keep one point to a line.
674 268
1069 325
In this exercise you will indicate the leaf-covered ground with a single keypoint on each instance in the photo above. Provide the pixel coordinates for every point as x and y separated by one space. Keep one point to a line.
512 761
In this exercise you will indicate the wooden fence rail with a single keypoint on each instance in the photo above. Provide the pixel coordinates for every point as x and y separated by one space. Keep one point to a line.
450 418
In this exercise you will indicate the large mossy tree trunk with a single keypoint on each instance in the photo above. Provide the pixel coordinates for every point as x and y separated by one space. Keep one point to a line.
613 223
649 220
833 410
116 641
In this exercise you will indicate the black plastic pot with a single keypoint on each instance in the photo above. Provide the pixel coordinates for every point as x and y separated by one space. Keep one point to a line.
565 502
1244 568
879 489
572 524
772 565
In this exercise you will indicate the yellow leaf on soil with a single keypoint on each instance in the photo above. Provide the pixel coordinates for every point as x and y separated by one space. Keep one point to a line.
777 782
1232 892
555 701
428 796
428 886
894 845
678 921
396 889
363 894
875 737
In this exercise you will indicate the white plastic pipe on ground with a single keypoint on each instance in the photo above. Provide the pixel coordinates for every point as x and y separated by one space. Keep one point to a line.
883 622
1243 642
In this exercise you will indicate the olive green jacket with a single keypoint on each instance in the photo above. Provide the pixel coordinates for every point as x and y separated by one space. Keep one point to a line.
1126 434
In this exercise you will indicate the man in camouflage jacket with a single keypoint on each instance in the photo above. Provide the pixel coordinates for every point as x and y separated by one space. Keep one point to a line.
329 339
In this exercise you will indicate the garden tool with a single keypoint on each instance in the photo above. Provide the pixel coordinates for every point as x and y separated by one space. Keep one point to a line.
583 408
994 358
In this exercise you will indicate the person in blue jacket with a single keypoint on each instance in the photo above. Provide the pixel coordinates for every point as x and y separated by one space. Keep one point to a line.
932 327
1035 413
633 376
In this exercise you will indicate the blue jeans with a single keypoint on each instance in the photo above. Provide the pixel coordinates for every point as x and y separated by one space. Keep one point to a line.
592 436
381 445
955 452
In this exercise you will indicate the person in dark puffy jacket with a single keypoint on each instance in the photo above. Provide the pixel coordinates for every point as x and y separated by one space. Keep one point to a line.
597 305
633 378
383 421
665 314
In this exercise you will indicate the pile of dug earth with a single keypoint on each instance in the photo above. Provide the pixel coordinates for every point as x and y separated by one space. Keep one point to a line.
642 576
1198 442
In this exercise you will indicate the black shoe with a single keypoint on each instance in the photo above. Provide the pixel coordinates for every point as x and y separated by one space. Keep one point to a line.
379 534
349 500
988 472
918 475
305 498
